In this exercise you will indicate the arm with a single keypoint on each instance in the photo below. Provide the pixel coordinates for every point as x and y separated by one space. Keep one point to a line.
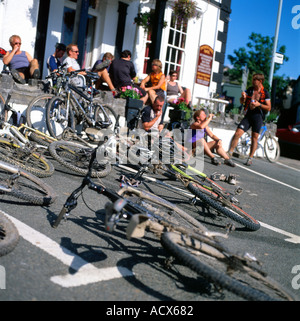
160 83
28 56
147 125
204 124
144 81
212 136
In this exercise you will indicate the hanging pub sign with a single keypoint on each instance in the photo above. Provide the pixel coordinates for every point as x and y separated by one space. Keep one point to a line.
204 66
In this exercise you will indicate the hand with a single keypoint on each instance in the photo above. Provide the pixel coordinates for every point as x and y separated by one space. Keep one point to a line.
254 103
158 113
244 95
211 116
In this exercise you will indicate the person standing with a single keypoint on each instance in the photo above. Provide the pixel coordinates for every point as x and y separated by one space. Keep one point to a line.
257 104
20 63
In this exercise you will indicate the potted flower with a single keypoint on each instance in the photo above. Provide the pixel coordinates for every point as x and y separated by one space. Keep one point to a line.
146 20
181 111
130 92
185 10
133 102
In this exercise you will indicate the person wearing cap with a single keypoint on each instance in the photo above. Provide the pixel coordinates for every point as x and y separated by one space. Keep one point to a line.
54 61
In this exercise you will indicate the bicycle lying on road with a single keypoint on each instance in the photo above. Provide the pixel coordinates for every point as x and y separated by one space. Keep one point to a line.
24 185
190 242
9 235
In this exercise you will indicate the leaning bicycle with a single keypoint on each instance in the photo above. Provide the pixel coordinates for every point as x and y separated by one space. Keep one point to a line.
267 143
76 107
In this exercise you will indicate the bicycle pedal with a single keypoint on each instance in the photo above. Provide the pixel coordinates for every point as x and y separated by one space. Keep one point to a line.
239 190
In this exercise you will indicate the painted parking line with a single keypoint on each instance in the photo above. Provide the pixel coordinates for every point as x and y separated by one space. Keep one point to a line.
86 273
292 237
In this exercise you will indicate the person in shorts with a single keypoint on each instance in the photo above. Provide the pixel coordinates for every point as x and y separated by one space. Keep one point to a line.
257 104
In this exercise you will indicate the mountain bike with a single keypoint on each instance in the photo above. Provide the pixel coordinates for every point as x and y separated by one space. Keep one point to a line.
198 183
17 149
266 142
9 235
76 107
22 184
192 244
74 153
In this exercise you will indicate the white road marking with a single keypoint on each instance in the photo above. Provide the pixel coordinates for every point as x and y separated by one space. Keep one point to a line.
293 238
293 168
267 177
85 272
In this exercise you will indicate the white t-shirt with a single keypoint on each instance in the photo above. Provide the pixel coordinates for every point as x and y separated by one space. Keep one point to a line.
71 62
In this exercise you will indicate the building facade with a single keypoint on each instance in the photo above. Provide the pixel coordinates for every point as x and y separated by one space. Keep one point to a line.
196 49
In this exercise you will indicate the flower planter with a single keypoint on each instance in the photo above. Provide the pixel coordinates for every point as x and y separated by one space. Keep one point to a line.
132 109
177 115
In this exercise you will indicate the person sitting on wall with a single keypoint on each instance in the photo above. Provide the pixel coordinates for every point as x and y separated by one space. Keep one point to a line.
157 80
174 89
73 65
54 61
122 73
22 66
99 65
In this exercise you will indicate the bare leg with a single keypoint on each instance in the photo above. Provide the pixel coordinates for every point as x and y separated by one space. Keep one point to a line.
34 65
254 139
105 76
239 132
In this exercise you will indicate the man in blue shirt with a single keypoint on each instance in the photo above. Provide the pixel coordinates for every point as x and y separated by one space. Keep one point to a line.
54 61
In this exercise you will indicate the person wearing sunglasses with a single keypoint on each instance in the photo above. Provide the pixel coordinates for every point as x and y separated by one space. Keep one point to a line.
73 65
21 64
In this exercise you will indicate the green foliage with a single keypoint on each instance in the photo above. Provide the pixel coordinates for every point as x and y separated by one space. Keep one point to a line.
146 20
257 57
182 104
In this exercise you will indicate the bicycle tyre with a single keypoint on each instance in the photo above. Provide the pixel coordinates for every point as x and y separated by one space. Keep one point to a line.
33 162
76 157
215 268
56 109
36 112
9 235
271 149
233 212
244 144
2 106
25 185
101 118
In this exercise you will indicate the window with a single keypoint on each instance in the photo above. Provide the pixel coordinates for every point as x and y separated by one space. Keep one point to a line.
176 46
68 28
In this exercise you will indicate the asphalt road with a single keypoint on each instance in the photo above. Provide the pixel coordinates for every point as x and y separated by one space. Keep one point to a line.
79 260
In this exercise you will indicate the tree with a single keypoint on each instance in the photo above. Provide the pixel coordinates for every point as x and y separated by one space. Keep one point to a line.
257 57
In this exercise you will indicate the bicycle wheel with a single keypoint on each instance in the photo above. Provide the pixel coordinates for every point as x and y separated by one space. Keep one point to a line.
9 235
33 162
24 185
240 275
58 117
271 148
36 112
2 106
225 207
76 157
104 116
244 144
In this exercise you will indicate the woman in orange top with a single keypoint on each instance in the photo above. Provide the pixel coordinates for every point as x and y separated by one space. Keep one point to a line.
157 79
